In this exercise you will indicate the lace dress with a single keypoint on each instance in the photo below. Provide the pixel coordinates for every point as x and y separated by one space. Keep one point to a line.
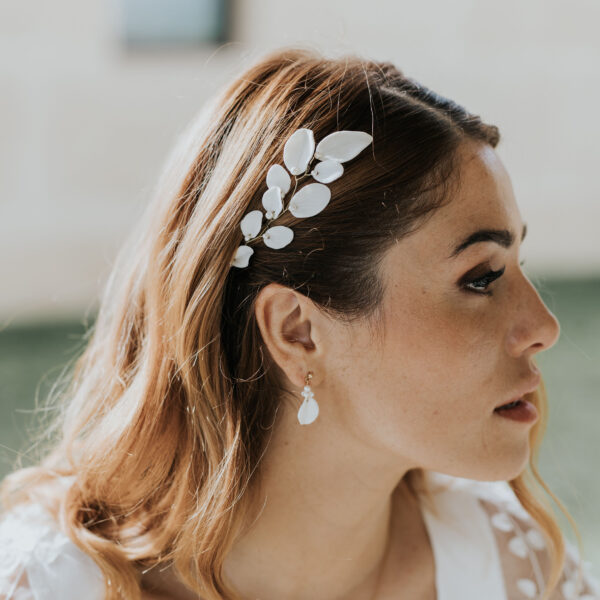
485 546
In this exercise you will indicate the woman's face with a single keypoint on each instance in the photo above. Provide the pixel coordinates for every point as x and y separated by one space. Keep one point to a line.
449 355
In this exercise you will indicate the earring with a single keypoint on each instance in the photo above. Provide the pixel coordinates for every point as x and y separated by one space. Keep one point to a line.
309 409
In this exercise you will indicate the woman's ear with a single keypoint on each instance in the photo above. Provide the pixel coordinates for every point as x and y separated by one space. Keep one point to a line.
289 324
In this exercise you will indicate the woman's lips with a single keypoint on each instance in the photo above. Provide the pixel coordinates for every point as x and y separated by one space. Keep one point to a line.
526 388
524 412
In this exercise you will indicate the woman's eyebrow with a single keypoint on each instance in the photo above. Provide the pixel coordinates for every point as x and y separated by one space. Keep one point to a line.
503 237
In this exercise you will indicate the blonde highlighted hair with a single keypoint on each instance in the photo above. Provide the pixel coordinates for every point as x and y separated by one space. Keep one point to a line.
162 422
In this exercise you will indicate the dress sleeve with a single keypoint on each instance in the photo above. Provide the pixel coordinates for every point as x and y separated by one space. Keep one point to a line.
39 562
525 558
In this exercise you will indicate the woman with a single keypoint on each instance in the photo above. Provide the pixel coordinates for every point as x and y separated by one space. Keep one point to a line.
295 391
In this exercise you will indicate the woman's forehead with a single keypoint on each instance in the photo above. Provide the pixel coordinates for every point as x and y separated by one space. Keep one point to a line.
482 208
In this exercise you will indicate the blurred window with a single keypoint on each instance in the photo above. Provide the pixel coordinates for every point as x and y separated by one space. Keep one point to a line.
172 22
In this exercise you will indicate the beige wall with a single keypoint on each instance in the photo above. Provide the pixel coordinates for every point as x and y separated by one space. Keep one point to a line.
85 125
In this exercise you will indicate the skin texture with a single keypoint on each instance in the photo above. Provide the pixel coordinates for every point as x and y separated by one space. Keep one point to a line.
421 396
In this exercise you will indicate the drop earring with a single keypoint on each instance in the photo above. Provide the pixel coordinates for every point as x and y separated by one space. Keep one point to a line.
309 409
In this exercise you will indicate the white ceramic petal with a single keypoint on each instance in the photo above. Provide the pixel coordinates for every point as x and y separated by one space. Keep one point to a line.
278 176
298 150
308 411
327 171
272 203
342 145
242 256
278 236
251 223
309 200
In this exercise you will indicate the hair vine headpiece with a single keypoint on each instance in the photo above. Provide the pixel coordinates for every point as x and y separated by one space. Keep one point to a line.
311 199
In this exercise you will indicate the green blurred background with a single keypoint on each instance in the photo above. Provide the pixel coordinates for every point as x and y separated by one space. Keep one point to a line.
32 357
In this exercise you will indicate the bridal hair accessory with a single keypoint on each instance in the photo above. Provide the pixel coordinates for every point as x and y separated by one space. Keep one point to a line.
309 409
298 152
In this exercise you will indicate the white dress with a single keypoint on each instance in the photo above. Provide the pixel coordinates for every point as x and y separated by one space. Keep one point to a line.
485 546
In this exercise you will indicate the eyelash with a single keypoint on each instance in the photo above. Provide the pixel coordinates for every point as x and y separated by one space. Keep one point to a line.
488 278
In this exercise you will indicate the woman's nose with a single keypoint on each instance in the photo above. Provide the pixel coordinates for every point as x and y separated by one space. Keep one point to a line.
535 327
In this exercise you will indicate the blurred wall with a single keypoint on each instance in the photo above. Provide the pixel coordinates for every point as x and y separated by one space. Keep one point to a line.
86 124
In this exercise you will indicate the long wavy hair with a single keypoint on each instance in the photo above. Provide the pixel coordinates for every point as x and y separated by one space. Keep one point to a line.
160 424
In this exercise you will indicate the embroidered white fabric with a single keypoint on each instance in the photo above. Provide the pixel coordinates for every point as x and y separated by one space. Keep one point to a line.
520 556
525 560
39 562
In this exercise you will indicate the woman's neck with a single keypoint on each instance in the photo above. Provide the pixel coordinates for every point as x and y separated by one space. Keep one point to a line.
321 530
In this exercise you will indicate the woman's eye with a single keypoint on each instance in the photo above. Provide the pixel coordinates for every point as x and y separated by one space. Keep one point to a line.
480 284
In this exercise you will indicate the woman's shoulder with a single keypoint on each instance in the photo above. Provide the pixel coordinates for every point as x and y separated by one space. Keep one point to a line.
520 544
38 561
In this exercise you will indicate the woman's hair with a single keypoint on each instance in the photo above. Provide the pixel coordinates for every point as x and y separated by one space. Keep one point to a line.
166 414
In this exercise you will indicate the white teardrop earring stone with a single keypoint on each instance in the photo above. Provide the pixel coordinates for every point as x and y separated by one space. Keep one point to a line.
309 411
